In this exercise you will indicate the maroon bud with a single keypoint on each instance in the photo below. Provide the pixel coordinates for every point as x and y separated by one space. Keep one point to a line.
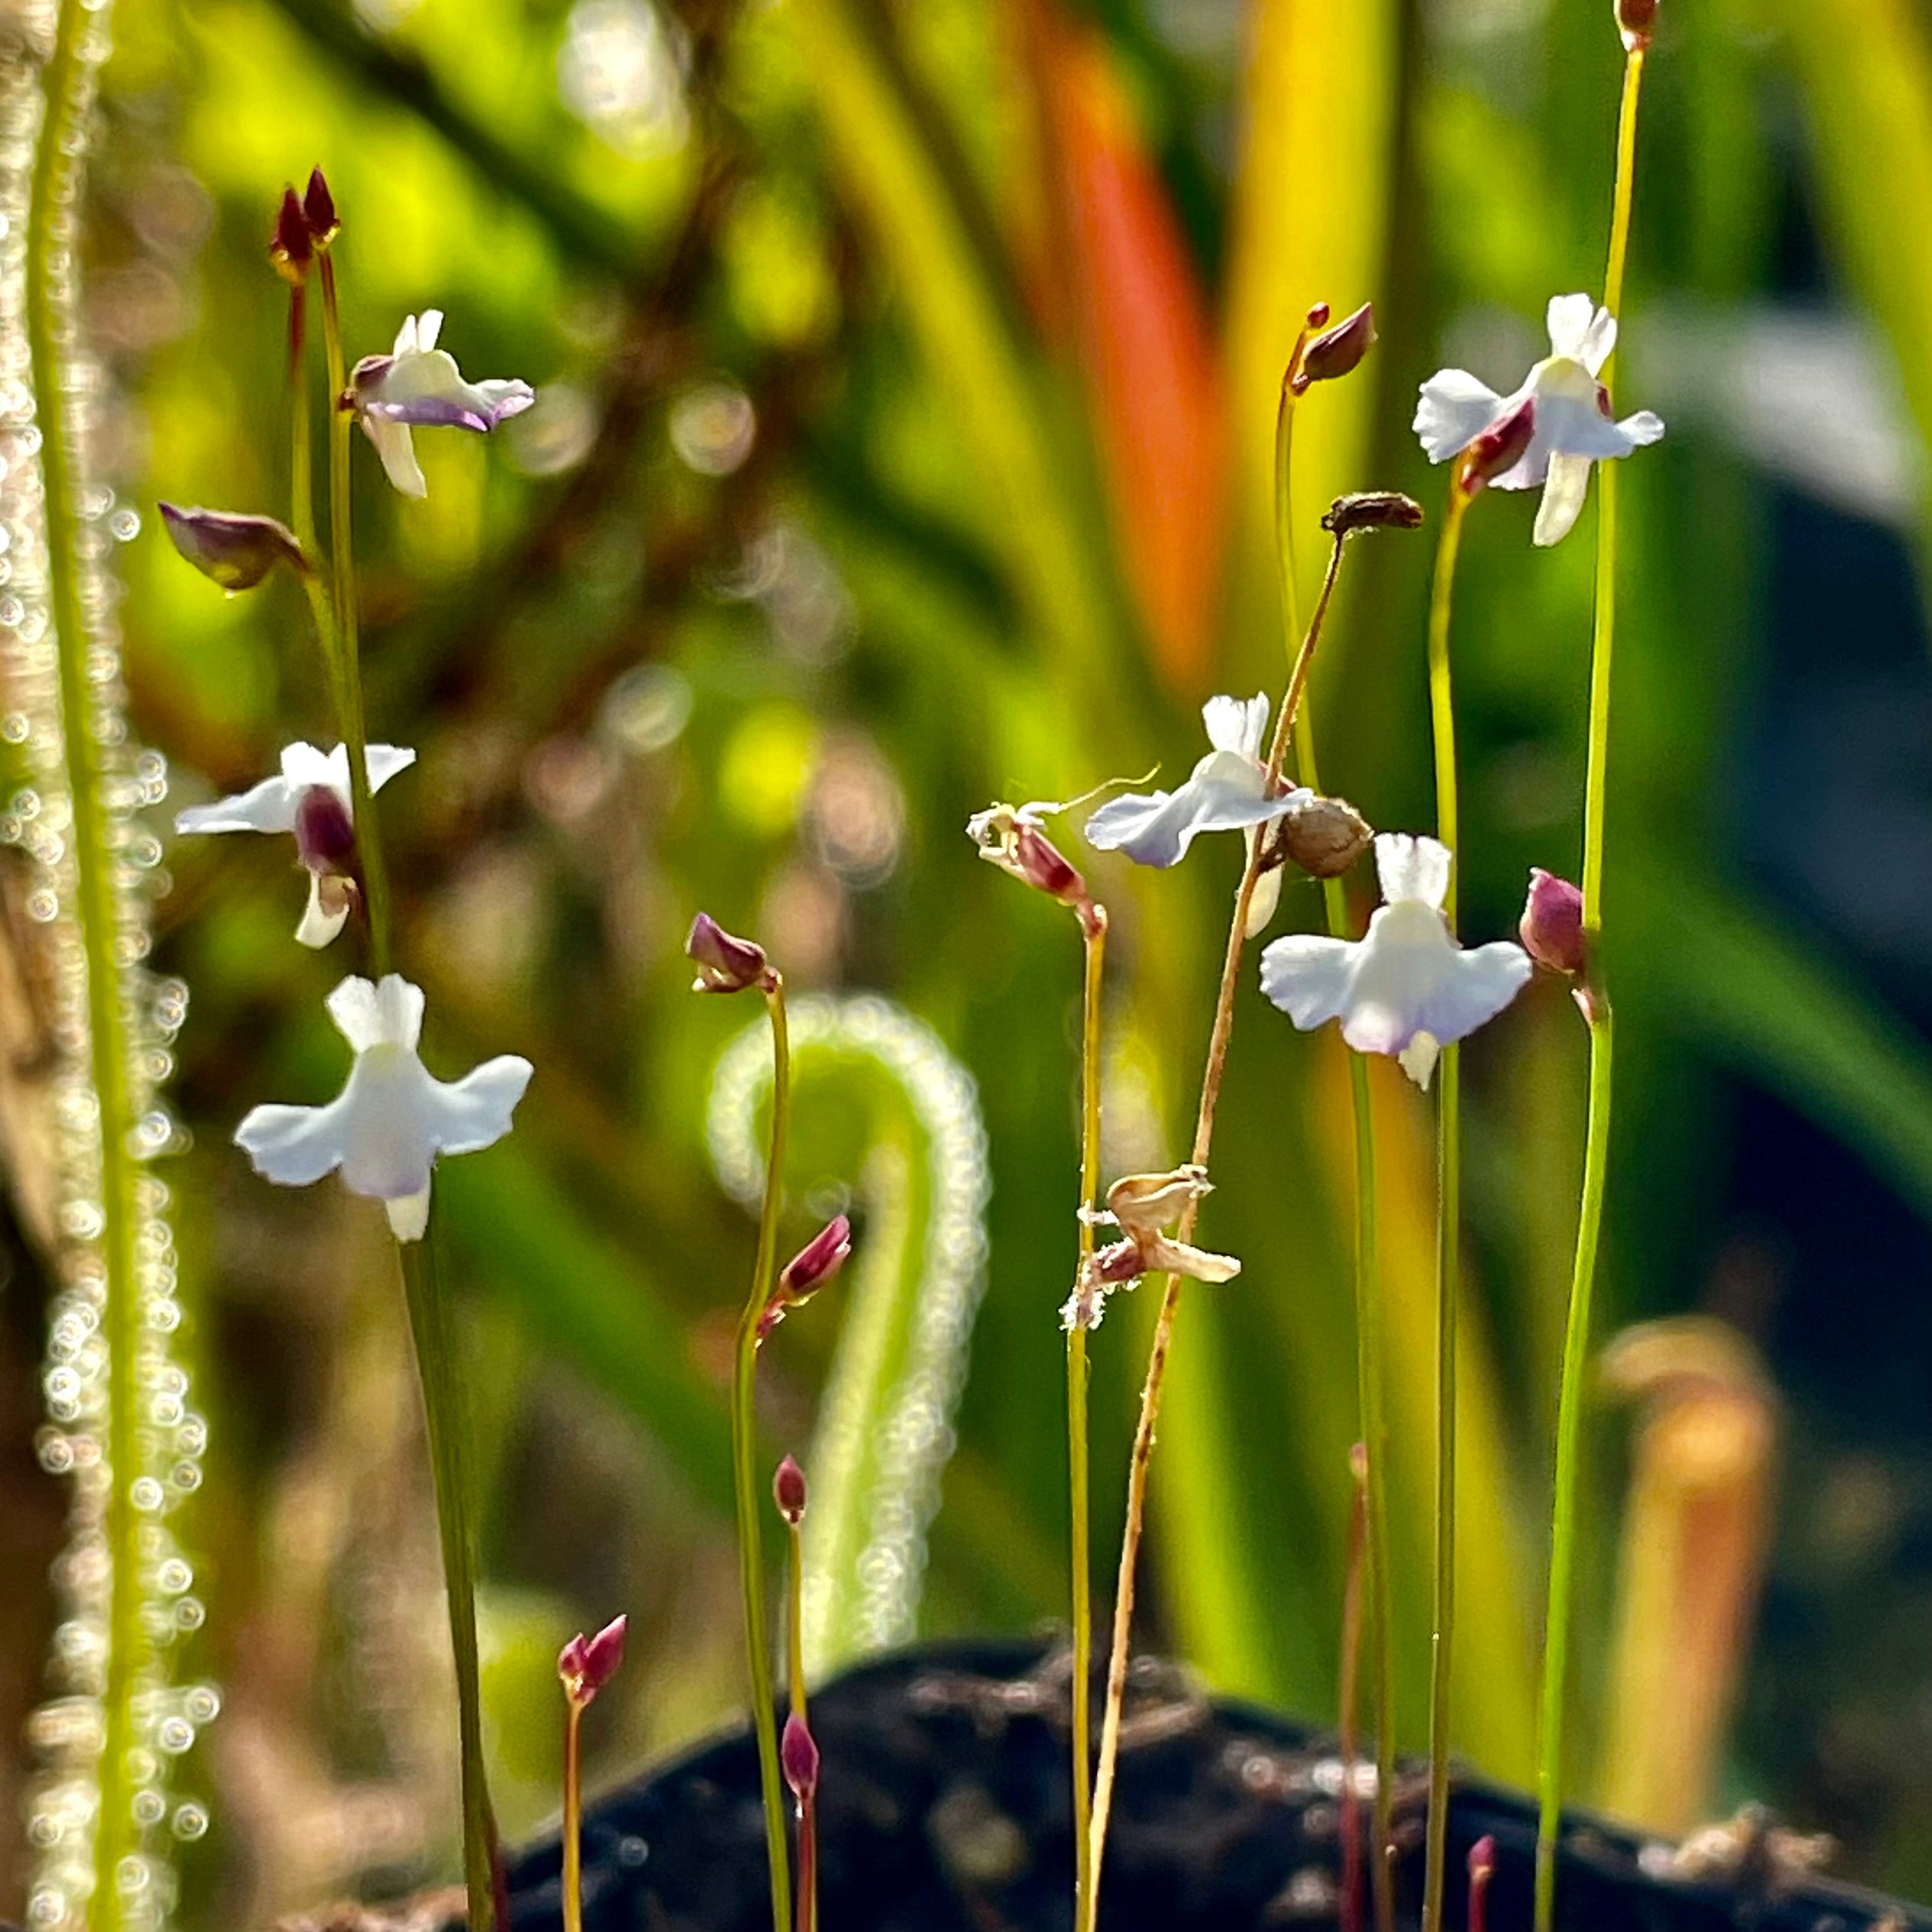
725 963
318 210
1043 865
587 1664
1498 449
234 548
1336 351
1552 926
1318 316
788 1492
325 834
1636 19
291 248
798 1755
1372 510
817 1261
1482 1868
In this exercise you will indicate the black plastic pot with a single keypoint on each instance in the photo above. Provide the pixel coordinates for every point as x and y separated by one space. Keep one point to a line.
944 1808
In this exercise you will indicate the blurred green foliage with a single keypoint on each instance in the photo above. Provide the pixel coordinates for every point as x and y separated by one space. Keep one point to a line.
813 545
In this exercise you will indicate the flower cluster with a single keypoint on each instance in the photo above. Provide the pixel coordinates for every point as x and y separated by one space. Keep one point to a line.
393 1118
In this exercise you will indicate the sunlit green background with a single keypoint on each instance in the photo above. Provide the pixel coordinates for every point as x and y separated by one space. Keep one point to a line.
907 379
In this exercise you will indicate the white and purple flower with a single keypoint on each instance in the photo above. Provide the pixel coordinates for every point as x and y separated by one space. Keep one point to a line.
1406 988
386 1128
1227 791
1573 427
310 798
418 386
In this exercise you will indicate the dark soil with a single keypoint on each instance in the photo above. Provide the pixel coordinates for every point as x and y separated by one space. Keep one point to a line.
944 1808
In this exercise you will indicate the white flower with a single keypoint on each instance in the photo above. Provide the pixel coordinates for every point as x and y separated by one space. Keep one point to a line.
1406 988
286 804
1574 428
393 1118
1227 791
417 384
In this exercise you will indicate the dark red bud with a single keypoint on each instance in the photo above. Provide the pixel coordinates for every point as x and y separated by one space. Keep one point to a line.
318 210
1636 19
587 1664
1372 510
325 834
725 963
1318 316
1336 351
798 1755
1482 1868
817 1261
1552 926
1498 449
788 1492
1042 864
292 248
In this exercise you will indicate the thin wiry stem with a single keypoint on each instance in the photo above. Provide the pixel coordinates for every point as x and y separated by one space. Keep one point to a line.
750 1552
1094 927
1371 1353
573 1824
808 1920
1448 1223
1597 1146
1157 1366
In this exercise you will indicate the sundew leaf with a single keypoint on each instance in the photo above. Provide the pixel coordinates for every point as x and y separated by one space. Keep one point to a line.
885 1428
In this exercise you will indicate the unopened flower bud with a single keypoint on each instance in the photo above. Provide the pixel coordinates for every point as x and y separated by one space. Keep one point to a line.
798 1755
1318 316
1325 837
1636 19
1552 926
325 834
318 210
1372 510
1482 1868
1498 449
725 963
235 549
807 1271
587 1664
291 248
1336 351
788 1492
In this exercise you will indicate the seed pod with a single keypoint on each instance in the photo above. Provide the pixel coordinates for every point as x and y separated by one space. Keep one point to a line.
1336 351
1325 837
1636 19
237 550
1372 510
725 963
318 210
291 248
788 1492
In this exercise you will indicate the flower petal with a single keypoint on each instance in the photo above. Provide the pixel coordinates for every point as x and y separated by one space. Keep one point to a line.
1473 987
294 1146
1413 867
429 325
1309 978
382 762
1570 318
474 1112
1643 429
408 1216
394 446
1223 795
1452 411
1418 1059
1563 492
367 1015
1237 725
304 765
319 925
269 807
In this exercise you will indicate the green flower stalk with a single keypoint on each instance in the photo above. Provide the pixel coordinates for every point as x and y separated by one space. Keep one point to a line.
584 1665
1370 1348
120 1420
1191 1182
727 964
1634 18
